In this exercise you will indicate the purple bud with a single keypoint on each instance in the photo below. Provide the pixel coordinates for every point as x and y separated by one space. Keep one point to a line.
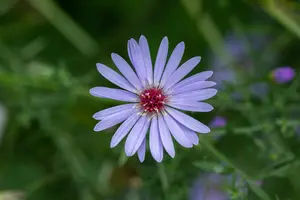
218 121
283 74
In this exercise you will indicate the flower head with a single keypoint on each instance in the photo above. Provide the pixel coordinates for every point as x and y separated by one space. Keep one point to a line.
154 95
283 74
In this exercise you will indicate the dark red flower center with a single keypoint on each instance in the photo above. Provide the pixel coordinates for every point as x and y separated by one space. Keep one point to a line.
152 100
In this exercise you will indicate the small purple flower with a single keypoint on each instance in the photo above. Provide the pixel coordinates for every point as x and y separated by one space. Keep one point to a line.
218 121
154 94
283 74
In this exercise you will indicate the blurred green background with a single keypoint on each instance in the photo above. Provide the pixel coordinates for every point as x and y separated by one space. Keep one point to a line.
48 52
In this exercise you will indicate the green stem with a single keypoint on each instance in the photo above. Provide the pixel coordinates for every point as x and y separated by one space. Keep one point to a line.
284 17
72 31
163 177
256 189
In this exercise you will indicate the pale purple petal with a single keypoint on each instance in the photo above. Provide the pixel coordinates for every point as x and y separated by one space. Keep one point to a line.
160 60
202 76
194 96
192 106
191 134
177 132
115 78
113 119
142 151
137 60
124 129
165 136
136 135
116 94
155 143
127 71
182 71
188 121
191 87
147 58
173 63
109 111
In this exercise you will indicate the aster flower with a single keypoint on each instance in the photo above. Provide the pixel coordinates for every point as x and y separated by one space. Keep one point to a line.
283 74
154 95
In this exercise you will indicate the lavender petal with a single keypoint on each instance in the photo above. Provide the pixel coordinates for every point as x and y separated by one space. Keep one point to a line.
127 71
116 94
192 87
202 76
142 151
192 106
115 78
188 121
173 63
160 60
177 132
113 119
124 129
194 95
165 136
182 71
109 111
136 58
191 134
147 59
155 143
136 135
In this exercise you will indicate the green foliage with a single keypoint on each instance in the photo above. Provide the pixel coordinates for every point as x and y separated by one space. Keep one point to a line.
48 52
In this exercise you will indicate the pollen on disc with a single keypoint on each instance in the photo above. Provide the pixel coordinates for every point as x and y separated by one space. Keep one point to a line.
152 100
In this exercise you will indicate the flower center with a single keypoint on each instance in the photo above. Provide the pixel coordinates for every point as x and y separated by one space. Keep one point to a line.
152 100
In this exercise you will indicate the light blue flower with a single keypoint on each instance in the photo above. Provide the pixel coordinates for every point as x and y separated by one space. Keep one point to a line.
154 95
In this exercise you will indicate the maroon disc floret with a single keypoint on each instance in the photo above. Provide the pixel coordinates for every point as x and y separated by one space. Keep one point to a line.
152 100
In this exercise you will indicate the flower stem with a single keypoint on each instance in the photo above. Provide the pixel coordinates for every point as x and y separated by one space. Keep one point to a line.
163 177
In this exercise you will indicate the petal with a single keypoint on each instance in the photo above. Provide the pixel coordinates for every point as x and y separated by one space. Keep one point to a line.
155 143
166 137
202 76
142 151
115 78
127 71
147 59
173 63
113 119
191 87
200 95
124 129
191 134
109 111
177 132
116 94
188 121
136 135
136 58
182 71
160 60
193 106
